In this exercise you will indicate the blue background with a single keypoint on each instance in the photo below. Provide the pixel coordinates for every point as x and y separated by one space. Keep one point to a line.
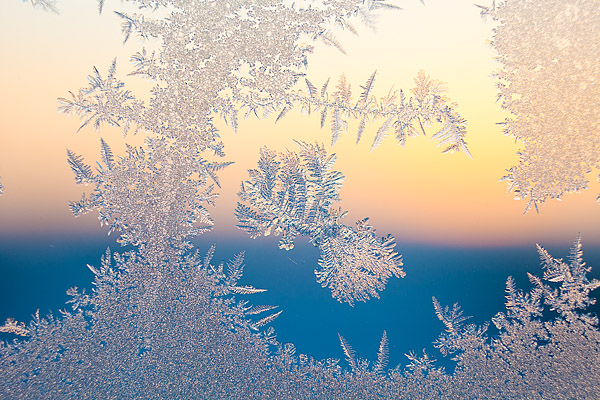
36 272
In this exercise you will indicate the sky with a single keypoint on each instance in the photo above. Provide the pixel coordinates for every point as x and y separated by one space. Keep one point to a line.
416 193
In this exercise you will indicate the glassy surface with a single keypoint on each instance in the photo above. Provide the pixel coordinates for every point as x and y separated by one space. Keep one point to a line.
315 199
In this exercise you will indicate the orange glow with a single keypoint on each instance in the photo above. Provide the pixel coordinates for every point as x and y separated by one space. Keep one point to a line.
416 193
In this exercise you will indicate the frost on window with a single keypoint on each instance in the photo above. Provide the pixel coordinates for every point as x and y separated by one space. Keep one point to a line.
548 80
358 364
250 58
294 194
176 328
211 56
1 188
220 58
547 345
155 196
163 321
203 68
397 114
46 5
150 329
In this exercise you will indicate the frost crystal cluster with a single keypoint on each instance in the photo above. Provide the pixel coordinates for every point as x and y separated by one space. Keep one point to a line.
163 321
212 57
248 56
169 328
550 63
294 194
403 116
205 65
547 346
154 195
174 329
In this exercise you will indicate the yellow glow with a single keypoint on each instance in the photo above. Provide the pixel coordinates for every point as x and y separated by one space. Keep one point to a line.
416 193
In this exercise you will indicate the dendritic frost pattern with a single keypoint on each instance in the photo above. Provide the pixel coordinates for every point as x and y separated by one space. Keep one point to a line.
549 80
165 322
155 196
212 54
532 355
573 294
358 364
294 194
403 116
153 327
175 328
46 5
208 64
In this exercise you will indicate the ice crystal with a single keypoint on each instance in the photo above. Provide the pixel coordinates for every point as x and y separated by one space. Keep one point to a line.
14 327
548 80
163 321
575 289
532 356
106 101
359 364
155 196
208 65
152 327
46 5
211 54
176 329
249 57
405 117
294 194
1 188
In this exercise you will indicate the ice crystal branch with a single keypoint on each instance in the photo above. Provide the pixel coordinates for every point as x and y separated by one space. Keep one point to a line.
458 336
294 194
382 355
200 40
395 113
103 101
573 293
205 67
421 364
46 5
532 353
14 327
155 196
121 340
452 318
361 365
165 322
522 306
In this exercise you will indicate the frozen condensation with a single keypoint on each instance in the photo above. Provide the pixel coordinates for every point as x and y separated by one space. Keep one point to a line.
174 328
46 5
223 58
155 195
248 57
549 54
163 321
295 194
396 113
